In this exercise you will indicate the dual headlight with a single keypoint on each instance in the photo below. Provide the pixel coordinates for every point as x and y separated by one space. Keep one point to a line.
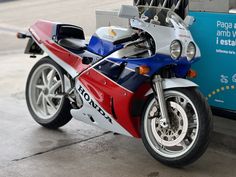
191 51
176 50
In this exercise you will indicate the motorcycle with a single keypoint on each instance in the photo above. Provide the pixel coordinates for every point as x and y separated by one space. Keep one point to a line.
132 81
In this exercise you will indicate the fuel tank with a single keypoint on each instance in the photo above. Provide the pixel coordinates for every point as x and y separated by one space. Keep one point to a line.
101 42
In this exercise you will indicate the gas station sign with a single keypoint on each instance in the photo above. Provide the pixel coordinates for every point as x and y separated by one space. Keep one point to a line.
215 33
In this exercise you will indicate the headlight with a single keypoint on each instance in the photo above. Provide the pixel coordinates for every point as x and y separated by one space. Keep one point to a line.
191 51
175 49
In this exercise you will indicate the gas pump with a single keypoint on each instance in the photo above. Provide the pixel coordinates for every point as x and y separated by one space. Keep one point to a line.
214 31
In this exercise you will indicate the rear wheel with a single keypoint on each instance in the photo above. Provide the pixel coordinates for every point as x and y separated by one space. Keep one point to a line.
44 94
190 125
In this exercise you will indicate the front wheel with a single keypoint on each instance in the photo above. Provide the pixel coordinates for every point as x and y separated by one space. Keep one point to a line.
187 136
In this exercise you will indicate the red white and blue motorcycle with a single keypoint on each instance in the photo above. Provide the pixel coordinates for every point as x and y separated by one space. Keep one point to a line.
131 81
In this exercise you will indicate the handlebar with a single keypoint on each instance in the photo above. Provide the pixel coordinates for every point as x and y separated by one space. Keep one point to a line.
134 37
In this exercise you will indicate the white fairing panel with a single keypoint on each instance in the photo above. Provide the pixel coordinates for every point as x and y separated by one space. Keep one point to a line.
92 113
163 36
174 83
113 33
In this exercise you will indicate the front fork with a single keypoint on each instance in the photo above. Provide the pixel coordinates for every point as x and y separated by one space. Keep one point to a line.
159 95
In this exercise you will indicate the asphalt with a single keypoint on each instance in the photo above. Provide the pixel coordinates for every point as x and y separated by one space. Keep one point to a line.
77 149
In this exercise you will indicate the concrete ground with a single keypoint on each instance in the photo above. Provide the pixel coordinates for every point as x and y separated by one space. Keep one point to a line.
26 149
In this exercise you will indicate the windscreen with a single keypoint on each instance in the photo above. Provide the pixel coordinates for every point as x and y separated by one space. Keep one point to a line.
161 16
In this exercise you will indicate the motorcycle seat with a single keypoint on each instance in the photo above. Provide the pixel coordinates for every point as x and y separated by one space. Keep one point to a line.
73 44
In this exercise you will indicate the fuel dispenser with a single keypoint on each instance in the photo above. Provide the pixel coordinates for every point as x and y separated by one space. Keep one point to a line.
215 32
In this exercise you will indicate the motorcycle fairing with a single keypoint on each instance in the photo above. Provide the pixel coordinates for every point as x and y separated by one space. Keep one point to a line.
107 82
111 83
116 87
117 71
122 71
92 112
42 32
115 100
164 26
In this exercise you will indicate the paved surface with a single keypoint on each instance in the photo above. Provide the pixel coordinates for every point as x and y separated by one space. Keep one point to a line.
20 14
76 149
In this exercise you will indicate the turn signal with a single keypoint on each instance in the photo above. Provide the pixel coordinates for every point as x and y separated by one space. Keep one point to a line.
142 70
22 35
192 74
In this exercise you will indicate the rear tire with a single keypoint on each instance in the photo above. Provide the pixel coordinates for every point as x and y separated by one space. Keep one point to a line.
44 89
191 126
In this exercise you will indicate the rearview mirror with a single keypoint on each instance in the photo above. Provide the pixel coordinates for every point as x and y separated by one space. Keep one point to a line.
189 20
127 11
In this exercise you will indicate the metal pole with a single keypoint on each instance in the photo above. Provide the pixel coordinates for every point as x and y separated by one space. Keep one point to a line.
173 4
177 5
164 4
159 3
137 3
152 2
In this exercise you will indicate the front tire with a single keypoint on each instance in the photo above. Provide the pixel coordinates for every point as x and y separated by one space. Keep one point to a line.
44 94
190 127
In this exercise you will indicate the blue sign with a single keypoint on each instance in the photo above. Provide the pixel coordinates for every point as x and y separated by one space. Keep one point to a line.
215 33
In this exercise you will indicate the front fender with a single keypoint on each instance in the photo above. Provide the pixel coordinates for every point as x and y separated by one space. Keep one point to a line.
174 83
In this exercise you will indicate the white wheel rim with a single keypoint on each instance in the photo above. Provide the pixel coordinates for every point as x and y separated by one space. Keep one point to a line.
172 138
45 90
172 148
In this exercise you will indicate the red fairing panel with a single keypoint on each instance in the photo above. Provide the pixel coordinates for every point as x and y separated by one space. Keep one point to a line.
106 93
112 97
43 32
73 60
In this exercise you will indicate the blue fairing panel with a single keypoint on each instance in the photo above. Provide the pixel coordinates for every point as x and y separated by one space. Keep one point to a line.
102 47
156 62
121 74
122 71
